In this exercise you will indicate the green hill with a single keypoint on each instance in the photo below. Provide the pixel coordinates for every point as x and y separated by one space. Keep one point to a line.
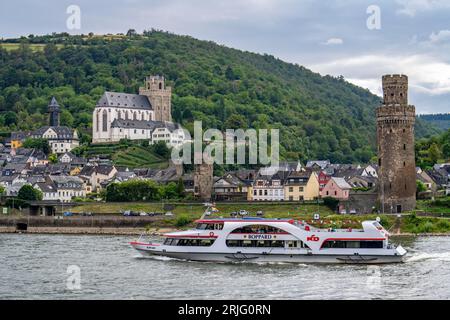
318 116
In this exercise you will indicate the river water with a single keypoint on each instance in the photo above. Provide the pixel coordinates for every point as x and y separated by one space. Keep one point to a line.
47 267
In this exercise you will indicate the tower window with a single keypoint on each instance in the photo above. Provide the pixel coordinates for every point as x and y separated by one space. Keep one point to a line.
379 162
160 86
404 163
404 146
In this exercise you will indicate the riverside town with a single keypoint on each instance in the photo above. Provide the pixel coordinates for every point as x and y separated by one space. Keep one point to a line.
230 151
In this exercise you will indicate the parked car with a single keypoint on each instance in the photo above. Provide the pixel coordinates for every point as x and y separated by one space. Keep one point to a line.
68 214
243 212
143 214
129 213
233 214
259 213
169 214
87 214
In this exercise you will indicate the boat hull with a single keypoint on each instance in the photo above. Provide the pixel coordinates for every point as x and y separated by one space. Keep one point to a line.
277 258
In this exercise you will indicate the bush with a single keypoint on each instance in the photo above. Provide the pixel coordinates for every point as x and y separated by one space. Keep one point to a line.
331 203
182 221
17 203
27 192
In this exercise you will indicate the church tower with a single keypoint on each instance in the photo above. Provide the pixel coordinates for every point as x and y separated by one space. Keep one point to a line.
54 112
396 153
160 97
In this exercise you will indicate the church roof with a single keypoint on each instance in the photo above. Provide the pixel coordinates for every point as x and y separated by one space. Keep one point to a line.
144 124
124 100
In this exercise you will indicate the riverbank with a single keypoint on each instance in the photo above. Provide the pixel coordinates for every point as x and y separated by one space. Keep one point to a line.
149 231
88 231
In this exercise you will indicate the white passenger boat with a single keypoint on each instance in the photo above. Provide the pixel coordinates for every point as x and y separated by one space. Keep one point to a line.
275 240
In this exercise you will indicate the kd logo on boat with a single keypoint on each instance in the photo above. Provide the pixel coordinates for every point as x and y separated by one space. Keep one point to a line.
313 238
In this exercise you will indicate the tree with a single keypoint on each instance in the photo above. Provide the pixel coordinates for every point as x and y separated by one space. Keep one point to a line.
434 153
180 187
421 187
39 144
27 192
161 149
236 121
53 158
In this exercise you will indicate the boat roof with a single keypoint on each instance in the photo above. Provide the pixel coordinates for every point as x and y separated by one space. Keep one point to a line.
216 220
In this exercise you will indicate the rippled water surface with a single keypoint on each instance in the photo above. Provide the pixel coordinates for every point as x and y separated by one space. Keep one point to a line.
35 267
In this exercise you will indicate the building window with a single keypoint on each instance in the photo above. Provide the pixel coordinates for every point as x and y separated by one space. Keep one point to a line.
291 189
105 121
300 189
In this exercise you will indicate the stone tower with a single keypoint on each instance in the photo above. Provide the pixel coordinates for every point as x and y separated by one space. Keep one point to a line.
396 157
160 97
203 181
54 112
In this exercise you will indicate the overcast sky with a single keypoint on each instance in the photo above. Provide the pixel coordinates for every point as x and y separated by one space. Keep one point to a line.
327 36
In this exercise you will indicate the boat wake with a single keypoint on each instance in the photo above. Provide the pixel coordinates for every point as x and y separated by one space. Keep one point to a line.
439 256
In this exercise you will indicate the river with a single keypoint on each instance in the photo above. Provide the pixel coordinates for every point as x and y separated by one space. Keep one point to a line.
44 266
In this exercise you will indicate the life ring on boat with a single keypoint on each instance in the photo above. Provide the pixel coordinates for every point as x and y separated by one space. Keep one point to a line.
211 234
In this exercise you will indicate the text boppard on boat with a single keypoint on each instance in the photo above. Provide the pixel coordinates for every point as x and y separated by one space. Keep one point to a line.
275 240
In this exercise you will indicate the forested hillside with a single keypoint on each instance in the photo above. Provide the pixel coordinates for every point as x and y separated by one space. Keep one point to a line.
440 120
319 116
433 150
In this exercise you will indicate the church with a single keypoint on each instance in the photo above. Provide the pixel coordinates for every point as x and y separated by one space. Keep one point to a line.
143 116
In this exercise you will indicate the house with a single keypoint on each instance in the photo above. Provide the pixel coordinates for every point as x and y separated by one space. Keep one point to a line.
48 189
360 181
68 187
229 187
323 179
301 186
96 174
18 138
15 168
429 183
267 187
61 139
317 165
336 188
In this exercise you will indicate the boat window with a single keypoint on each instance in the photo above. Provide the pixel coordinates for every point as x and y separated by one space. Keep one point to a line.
191 242
258 229
255 243
209 226
338 244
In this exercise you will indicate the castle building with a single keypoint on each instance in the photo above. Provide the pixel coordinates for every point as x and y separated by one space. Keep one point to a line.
137 116
396 153
61 139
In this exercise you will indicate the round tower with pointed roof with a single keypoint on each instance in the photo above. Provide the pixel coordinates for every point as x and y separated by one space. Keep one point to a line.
54 113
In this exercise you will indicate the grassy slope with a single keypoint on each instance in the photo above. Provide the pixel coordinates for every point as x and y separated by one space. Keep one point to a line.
131 157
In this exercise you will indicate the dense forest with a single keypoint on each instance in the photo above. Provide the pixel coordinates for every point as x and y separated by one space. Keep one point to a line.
440 120
318 116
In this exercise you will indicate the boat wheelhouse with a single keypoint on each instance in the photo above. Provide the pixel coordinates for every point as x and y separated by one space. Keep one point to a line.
275 240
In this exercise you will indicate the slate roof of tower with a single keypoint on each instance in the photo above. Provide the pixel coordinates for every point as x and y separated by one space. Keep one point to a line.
124 100
54 103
